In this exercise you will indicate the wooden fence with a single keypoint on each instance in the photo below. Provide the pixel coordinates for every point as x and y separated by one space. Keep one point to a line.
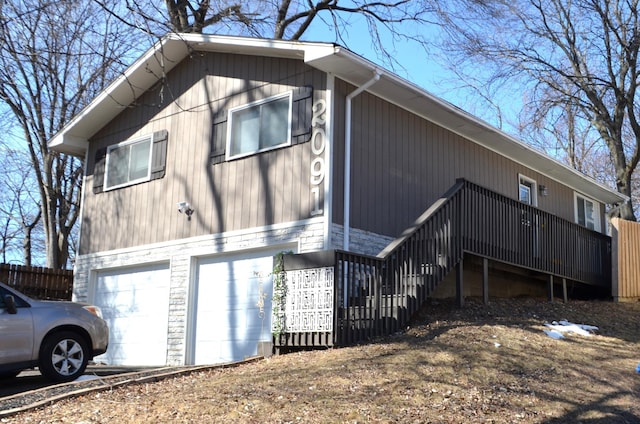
626 260
38 282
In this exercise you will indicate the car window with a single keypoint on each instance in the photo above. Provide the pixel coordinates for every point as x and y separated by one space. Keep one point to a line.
19 302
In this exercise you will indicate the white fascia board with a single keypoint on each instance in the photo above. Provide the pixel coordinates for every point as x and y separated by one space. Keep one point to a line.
70 145
356 70
123 91
256 46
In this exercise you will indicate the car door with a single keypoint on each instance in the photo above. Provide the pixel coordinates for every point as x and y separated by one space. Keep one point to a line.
16 331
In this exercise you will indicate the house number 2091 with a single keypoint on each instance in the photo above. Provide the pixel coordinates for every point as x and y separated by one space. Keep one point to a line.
318 144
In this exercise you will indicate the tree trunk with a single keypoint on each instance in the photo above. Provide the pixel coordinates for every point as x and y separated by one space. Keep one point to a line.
624 187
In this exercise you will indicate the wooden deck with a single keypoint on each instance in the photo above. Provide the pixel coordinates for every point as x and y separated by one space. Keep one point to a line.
366 297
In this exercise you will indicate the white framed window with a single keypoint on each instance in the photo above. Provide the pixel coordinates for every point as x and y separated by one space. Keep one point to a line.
259 126
128 163
587 212
527 190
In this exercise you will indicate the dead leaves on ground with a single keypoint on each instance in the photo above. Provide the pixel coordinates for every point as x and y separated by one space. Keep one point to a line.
480 364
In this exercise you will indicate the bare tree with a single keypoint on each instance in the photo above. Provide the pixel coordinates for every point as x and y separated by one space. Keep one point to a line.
578 57
19 210
54 57
286 19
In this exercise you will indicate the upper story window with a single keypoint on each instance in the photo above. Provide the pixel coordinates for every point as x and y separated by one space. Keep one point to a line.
259 126
264 125
587 212
128 163
527 190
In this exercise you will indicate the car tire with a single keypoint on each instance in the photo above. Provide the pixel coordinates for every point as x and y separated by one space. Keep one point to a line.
63 356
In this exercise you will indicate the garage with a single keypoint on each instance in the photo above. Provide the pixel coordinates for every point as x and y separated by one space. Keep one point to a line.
232 306
135 304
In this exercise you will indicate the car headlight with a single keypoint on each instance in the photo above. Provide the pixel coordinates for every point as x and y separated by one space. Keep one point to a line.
95 310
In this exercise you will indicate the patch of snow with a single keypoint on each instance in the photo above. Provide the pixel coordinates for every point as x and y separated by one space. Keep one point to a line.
558 328
87 377
554 334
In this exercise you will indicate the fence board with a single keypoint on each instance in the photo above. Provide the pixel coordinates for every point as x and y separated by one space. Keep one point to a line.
626 260
38 282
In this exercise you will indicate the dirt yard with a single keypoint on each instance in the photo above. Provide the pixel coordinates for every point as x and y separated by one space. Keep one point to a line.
481 364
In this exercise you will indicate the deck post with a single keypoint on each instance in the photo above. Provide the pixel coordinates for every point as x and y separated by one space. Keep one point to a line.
550 288
459 284
565 299
485 280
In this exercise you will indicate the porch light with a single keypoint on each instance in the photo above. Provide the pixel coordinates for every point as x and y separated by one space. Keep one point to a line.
543 190
185 208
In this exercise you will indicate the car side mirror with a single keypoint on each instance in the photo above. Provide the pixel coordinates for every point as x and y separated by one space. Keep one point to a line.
10 304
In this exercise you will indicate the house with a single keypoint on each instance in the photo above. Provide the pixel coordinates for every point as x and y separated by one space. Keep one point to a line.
212 154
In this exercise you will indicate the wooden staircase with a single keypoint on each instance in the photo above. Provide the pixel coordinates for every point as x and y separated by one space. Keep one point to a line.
377 295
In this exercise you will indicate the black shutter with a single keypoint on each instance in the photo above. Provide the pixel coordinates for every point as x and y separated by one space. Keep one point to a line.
98 170
302 113
159 152
219 138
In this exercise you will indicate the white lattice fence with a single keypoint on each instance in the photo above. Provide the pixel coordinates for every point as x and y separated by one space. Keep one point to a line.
309 300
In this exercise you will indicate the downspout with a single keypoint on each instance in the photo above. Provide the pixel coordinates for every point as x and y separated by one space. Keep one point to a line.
347 155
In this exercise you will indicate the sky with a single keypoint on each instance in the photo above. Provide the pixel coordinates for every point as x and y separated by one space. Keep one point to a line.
420 68
427 70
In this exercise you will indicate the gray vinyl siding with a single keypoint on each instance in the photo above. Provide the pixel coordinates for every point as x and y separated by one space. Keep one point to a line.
259 190
401 163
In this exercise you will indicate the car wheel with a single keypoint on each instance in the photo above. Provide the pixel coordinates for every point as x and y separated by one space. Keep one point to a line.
63 356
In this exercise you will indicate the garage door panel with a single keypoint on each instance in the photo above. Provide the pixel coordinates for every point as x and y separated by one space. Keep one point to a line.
135 304
233 307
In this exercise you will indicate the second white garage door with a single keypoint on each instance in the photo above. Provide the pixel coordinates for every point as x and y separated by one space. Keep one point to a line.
233 306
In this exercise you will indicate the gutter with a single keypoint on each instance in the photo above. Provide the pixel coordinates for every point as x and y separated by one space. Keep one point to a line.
347 155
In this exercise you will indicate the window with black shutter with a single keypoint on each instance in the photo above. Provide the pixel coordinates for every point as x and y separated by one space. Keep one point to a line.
130 162
268 124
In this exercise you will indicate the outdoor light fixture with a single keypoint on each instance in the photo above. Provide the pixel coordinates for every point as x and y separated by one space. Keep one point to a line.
185 208
543 190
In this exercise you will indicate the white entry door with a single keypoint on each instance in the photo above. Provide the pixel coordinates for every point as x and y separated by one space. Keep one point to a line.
232 306
135 304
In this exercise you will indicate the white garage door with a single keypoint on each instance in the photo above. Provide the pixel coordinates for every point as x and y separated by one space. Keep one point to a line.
135 304
233 306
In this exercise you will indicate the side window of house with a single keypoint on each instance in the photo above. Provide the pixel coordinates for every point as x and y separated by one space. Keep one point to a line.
587 212
264 125
527 190
130 162
527 194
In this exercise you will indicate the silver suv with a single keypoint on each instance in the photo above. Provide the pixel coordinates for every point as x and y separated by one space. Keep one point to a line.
57 337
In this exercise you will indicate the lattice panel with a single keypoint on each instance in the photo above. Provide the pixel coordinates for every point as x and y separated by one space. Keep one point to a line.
309 301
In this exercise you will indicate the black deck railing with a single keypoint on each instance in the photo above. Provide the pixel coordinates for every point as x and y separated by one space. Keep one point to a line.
376 296
506 230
